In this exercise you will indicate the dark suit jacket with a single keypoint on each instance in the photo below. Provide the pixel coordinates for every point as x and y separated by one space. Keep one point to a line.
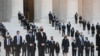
52 45
30 39
74 45
15 41
63 27
41 39
5 43
87 44
98 41
68 27
78 41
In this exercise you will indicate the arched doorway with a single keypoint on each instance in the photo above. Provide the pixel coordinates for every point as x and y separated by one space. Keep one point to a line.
29 9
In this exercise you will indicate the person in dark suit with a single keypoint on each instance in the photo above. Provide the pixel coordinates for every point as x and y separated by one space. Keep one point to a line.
80 20
92 49
50 17
19 15
76 34
56 24
97 27
74 48
17 43
30 38
65 45
80 44
93 30
88 27
24 47
34 27
47 46
57 48
72 32
87 46
52 46
63 29
41 38
76 17
7 45
98 43
68 28
59 25
53 21
84 24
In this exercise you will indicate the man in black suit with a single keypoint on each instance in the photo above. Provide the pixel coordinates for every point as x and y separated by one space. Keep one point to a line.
52 46
24 47
74 48
80 44
30 38
41 38
50 17
17 43
7 45
84 24
68 28
98 43
93 30
87 46
98 27
63 29
76 17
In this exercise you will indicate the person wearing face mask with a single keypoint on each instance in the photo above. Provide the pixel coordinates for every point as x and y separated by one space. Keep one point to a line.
52 46
30 38
74 47
41 38
87 46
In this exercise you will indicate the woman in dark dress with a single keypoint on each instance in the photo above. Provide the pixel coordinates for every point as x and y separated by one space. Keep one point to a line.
88 27
72 32
80 20
57 48
65 45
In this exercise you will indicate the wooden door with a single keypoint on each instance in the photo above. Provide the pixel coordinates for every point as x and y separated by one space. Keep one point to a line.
29 10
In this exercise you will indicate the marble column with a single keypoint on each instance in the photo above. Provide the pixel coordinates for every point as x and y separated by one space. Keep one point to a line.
80 7
59 9
96 11
1 10
6 10
87 9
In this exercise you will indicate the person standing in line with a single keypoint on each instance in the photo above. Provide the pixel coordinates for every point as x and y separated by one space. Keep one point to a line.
63 29
41 38
93 30
74 48
72 32
97 27
50 17
24 47
76 17
7 45
17 43
65 45
80 44
80 20
30 38
68 28
87 46
88 27
57 48
84 24
92 49
52 46
98 43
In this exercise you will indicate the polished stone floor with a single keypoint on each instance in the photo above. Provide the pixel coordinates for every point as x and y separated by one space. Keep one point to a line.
14 25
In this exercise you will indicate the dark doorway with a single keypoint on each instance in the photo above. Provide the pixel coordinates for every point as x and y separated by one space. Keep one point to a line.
29 10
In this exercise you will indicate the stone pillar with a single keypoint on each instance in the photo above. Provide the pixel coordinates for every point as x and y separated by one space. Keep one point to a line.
6 10
1 10
96 11
59 9
80 7
87 10
37 10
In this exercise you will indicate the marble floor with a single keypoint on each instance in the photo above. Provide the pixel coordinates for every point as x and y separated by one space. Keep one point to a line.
14 25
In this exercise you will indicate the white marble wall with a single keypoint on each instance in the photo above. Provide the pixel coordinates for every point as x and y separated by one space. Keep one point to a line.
0 10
